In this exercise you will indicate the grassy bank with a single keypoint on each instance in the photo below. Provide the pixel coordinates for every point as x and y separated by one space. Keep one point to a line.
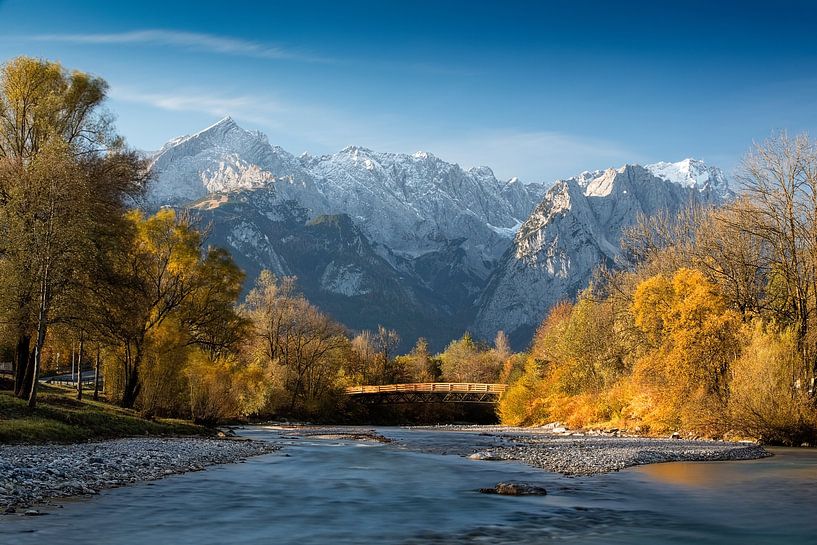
60 418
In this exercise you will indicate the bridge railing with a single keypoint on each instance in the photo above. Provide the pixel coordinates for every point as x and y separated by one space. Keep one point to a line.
427 387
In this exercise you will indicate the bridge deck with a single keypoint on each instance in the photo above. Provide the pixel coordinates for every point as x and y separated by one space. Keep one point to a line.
427 387
428 392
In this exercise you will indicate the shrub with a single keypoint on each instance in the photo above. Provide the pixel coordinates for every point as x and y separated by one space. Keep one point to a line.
767 399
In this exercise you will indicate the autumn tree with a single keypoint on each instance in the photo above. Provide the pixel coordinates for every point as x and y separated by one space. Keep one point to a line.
779 176
695 339
46 231
420 365
166 275
363 359
527 399
466 360
385 344
56 149
307 348
502 346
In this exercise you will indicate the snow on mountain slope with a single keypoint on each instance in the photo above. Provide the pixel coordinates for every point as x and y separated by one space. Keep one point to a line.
408 205
576 228
412 204
224 158
693 173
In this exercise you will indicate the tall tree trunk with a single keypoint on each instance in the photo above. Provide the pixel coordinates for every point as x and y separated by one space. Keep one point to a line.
28 379
21 363
42 315
295 391
132 381
38 351
79 364
96 375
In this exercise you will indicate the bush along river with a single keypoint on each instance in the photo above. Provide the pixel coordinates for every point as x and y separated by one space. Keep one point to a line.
412 486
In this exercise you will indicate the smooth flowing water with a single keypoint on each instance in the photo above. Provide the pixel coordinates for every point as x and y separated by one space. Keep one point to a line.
337 492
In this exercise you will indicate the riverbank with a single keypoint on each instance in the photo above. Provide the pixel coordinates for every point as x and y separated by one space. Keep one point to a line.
552 449
67 447
593 455
33 474
61 418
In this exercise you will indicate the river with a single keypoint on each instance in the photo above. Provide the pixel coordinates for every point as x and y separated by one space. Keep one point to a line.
329 491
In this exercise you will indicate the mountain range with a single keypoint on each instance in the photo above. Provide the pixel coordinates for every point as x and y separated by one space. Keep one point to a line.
411 241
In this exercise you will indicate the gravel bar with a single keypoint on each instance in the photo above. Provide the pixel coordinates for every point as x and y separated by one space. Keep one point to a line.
592 455
32 474
572 452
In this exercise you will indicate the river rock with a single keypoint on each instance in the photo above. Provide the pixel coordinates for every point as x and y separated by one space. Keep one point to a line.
482 456
515 489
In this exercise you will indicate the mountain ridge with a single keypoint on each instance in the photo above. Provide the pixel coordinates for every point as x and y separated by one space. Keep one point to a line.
449 241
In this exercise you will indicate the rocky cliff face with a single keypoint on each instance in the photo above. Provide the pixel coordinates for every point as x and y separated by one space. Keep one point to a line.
336 265
574 229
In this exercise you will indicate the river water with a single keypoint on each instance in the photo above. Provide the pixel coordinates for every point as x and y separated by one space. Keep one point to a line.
331 491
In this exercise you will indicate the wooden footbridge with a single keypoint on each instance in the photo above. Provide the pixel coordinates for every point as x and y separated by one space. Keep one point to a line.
427 392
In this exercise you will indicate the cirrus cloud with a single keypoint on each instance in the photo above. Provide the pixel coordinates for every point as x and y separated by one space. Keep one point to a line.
196 41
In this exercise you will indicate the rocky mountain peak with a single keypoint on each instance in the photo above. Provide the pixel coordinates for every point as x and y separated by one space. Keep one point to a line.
694 173
576 228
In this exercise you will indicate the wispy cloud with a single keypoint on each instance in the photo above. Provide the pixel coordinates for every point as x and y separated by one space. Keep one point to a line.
541 156
226 45
195 41
264 110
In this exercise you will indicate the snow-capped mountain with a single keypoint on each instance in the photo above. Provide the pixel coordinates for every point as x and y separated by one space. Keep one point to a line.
411 241
225 158
694 173
408 205
439 227
413 204
576 228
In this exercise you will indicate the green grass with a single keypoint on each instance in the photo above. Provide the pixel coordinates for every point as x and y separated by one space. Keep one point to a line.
60 418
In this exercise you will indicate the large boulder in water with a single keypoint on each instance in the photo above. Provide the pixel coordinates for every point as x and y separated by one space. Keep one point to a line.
515 489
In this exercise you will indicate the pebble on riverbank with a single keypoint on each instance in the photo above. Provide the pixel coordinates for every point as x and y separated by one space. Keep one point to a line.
592 455
32 474
570 452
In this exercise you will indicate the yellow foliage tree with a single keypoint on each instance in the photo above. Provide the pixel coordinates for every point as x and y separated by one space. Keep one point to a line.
766 401
167 275
695 339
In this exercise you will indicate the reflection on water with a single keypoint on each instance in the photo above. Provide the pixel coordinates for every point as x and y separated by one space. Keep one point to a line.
700 474
342 492
795 465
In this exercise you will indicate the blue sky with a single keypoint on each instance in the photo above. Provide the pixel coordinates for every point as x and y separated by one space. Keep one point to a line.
539 90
